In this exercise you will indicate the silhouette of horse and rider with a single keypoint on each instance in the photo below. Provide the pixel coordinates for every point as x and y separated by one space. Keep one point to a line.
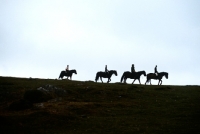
156 76
136 75
67 73
107 74
132 75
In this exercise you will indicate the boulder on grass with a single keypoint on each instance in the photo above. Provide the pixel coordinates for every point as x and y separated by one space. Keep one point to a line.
37 96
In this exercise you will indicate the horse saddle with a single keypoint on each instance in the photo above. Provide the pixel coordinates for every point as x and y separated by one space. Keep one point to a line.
106 73
155 75
133 74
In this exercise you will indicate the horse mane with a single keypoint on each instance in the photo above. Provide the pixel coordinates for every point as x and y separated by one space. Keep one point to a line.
72 70
127 71
160 73
164 72
140 71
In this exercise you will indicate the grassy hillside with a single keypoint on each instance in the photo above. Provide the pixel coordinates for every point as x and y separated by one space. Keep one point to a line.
88 107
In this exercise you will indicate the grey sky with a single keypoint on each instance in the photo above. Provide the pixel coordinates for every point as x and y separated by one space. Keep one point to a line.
40 38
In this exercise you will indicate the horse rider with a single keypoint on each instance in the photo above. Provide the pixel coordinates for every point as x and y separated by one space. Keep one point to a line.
67 68
106 70
155 71
132 69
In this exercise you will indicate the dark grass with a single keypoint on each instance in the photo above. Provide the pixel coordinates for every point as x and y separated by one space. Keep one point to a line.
90 107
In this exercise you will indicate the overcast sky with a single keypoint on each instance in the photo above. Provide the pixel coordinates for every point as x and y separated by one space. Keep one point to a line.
39 38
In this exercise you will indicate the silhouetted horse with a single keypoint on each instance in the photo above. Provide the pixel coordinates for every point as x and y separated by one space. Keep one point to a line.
105 75
134 76
68 74
156 77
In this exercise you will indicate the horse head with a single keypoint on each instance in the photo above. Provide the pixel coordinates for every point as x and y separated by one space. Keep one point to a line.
74 71
166 75
144 73
140 73
163 74
115 72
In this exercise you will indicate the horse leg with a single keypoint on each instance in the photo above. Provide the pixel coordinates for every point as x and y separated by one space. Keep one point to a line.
133 81
146 81
139 81
101 79
160 82
123 80
109 80
150 81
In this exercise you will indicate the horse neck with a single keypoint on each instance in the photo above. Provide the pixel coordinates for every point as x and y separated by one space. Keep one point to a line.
161 75
111 73
141 72
73 71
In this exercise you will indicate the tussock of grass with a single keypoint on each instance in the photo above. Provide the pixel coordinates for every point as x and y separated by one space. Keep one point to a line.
88 107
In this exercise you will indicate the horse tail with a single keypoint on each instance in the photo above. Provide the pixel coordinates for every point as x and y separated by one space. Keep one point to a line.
97 77
122 77
148 78
61 75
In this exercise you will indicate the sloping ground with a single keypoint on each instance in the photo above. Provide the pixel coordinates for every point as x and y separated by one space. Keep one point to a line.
88 107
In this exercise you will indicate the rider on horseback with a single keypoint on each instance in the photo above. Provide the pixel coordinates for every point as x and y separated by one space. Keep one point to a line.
67 69
106 70
132 69
155 71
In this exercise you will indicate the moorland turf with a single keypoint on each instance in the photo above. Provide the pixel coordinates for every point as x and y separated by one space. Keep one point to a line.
88 107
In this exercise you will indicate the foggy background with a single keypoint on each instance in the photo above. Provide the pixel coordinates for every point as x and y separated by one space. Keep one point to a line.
39 39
